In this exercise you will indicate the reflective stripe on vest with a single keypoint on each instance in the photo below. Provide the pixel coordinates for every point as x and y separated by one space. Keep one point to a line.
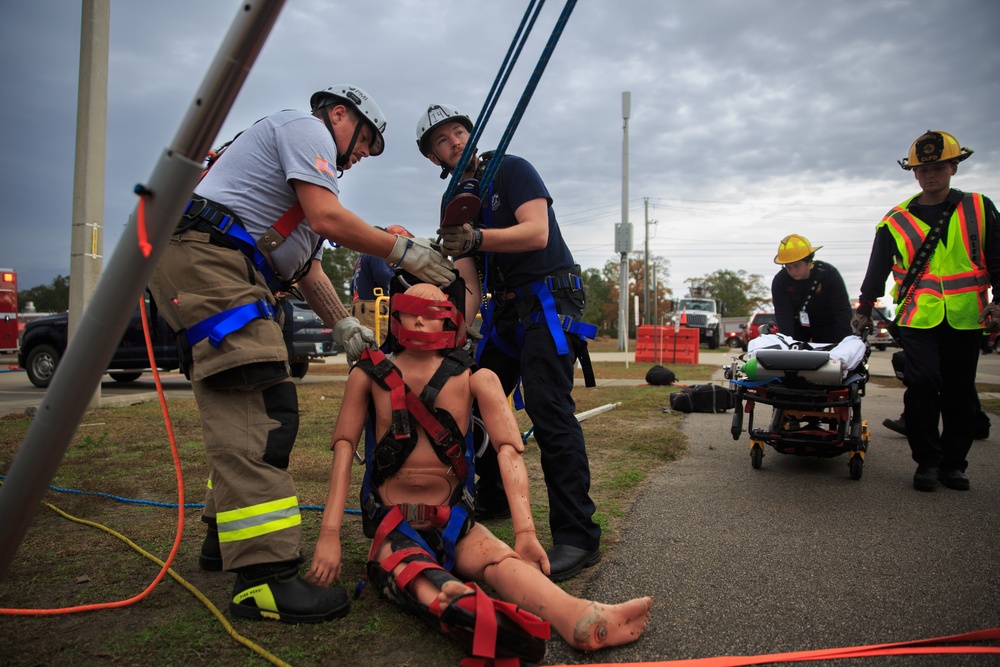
256 520
954 283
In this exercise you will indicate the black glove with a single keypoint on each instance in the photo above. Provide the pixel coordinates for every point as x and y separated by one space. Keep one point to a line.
990 317
460 239
861 322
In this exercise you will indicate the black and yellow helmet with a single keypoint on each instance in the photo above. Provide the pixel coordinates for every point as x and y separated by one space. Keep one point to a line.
934 146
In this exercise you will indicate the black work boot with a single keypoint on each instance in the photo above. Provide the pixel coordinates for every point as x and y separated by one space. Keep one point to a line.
896 425
277 592
210 558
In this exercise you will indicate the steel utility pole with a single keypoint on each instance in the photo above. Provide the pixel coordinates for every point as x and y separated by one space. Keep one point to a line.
623 232
645 269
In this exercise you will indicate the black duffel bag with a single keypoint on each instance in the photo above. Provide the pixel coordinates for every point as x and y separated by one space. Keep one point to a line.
703 398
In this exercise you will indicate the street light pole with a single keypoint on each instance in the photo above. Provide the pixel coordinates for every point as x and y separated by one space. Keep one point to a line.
645 269
623 232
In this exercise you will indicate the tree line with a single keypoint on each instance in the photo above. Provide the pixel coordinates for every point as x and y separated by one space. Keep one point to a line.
740 293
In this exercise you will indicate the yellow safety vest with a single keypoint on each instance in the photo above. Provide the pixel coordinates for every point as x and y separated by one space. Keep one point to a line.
955 280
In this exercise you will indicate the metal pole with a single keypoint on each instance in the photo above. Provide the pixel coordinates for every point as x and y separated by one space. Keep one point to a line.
656 324
623 272
129 269
645 269
87 239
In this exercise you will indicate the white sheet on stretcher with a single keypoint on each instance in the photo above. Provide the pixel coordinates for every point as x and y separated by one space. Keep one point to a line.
849 352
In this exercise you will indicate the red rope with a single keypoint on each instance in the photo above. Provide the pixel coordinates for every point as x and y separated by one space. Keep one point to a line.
915 647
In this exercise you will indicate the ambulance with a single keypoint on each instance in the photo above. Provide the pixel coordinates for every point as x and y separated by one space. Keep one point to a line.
8 311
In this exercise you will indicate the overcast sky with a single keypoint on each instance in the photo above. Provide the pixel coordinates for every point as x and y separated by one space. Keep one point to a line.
750 119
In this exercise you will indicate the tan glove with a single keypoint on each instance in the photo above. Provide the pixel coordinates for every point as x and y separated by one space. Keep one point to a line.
353 337
423 259
460 239
990 317
861 322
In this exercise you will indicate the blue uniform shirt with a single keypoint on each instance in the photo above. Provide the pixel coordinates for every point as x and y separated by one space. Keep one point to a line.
517 182
370 272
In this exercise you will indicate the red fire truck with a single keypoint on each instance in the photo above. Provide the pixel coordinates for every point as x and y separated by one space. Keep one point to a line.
8 310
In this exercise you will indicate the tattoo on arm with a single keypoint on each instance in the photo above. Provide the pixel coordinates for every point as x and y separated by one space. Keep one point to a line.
332 310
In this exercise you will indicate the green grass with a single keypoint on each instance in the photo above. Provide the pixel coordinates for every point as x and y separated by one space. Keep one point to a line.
125 452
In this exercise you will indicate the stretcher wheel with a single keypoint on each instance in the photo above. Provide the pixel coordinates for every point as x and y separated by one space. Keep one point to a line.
856 466
737 427
756 455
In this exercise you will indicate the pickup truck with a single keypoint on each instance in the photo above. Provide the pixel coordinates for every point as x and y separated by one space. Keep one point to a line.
43 344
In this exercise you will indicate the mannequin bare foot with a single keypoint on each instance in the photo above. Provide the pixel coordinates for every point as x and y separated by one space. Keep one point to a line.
450 591
603 625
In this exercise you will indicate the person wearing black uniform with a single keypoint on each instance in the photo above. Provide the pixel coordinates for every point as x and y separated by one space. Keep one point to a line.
810 300
531 329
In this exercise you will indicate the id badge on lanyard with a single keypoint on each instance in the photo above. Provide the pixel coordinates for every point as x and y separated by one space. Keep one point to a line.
803 318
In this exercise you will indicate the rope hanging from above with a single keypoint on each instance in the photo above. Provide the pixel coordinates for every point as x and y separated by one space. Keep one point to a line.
510 59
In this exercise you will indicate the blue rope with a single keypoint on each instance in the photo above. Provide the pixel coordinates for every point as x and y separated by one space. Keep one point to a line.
513 52
494 94
156 503
529 90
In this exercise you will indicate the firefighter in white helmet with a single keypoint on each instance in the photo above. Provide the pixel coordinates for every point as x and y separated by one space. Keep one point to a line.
254 227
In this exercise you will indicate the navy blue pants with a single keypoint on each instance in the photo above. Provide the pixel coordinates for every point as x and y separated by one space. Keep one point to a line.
940 380
547 383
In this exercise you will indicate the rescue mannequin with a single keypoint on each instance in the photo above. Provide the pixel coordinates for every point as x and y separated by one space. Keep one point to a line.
518 575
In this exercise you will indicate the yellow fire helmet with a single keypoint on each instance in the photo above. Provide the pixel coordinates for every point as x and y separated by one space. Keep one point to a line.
794 248
934 146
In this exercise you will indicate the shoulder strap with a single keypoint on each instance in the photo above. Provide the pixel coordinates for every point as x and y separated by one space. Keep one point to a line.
454 363
926 249
820 266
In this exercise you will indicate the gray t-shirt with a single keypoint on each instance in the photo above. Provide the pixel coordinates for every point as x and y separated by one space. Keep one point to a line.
252 179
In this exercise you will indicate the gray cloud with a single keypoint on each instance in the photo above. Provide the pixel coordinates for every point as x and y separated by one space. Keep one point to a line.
750 120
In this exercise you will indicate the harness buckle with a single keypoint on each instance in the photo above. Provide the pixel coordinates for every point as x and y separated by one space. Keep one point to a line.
266 309
191 202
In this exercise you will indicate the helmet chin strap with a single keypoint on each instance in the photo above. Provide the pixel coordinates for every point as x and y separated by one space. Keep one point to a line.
342 158
447 169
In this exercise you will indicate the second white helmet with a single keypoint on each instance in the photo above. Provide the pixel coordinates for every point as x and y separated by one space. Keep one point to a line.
435 115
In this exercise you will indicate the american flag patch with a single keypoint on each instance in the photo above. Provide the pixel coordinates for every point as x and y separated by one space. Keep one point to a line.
324 166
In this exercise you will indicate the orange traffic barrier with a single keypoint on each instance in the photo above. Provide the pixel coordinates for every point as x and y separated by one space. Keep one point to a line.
662 344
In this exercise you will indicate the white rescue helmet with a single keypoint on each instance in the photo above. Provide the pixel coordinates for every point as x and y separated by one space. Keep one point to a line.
359 101
435 115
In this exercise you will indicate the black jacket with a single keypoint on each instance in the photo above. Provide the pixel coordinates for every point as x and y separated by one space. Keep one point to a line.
829 309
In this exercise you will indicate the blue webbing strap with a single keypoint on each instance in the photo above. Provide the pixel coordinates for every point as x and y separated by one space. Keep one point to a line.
491 99
541 290
754 383
227 225
543 60
220 325
569 325
451 534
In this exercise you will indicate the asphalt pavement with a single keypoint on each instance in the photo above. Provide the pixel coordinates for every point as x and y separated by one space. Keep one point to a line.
797 556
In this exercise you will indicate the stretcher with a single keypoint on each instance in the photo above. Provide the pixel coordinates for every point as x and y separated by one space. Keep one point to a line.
815 403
